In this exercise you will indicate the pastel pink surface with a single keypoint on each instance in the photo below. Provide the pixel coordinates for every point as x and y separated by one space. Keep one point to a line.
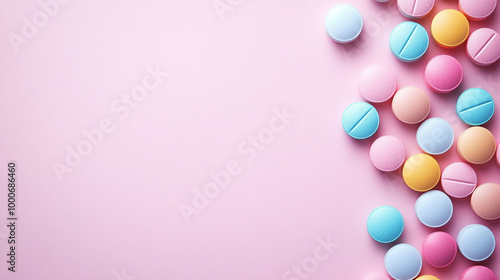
498 155
439 249
478 272
376 276
459 179
415 8
377 83
477 9
387 153
443 73
483 46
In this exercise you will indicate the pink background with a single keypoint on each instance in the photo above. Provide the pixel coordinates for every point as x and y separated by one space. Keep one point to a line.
116 215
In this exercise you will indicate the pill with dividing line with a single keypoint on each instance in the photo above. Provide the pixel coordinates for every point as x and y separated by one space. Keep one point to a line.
475 106
360 120
459 180
483 47
415 8
409 41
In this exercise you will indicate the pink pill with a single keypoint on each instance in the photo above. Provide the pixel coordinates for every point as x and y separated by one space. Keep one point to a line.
439 249
443 73
415 8
478 272
477 9
459 180
387 153
483 46
377 83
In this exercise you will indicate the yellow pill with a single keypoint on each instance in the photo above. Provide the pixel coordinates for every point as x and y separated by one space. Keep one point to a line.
427 277
421 172
450 28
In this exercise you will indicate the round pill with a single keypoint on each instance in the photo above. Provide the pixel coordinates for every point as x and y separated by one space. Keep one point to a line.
485 201
377 83
459 180
376 276
403 262
409 41
385 224
434 208
449 28
344 23
427 277
476 242
387 153
477 9
443 73
439 249
476 145
414 9
421 172
435 136
478 272
411 105
475 106
483 46
360 120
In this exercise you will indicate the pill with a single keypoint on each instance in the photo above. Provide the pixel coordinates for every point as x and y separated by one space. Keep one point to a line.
439 249
387 153
449 28
476 242
414 9
477 9
434 208
478 272
377 83
360 120
483 46
475 106
403 262
376 276
459 180
485 201
476 145
411 105
409 41
443 73
435 136
427 277
421 172
385 224
344 23
498 155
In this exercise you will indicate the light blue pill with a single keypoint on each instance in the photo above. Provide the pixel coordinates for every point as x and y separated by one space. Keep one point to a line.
435 136
403 262
476 242
475 106
360 120
344 23
434 208
409 41
385 224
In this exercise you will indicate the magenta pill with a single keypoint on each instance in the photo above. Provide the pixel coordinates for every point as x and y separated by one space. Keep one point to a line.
478 272
483 46
414 9
387 153
439 249
377 83
459 180
477 9
443 73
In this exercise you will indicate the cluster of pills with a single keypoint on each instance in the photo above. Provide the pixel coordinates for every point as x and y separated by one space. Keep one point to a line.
421 172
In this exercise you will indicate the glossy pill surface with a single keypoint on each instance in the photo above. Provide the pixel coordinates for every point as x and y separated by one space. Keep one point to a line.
387 153
475 106
409 41
476 242
403 262
483 46
439 249
459 180
421 172
435 136
377 83
443 73
411 105
434 208
427 277
477 9
414 9
478 272
344 23
449 28
476 145
385 224
360 120
485 201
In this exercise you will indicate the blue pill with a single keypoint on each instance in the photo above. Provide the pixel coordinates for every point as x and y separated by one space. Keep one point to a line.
403 262
476 242
434 208
435 136
385 224
344 23
475 106
409 41
360 120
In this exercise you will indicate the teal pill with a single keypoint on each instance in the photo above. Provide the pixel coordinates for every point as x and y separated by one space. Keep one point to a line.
475 106
409 41
360 120
385 224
